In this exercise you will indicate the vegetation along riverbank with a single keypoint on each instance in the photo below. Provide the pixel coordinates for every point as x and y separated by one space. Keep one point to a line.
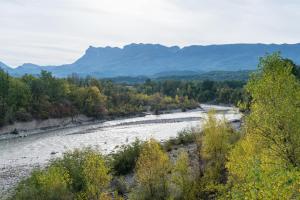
46 102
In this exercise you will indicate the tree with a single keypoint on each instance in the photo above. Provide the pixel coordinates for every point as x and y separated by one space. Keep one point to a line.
217 139
152 171
88 173
275 111
265 163
89 101
4 87
183 179
18 100
94 104
95 175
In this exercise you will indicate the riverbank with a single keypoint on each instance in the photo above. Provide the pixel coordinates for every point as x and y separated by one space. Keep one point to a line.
19 156
24 129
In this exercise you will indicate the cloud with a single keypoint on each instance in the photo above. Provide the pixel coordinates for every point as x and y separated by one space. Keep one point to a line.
59 31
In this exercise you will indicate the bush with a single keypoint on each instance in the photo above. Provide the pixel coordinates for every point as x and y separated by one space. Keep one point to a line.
80 174
87 170
184 137
124 160
51 183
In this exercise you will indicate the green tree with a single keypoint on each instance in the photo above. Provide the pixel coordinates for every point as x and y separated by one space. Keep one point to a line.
89 177
265 163
89 101
94 104
19 94
125 159
4 87
18 101
275 111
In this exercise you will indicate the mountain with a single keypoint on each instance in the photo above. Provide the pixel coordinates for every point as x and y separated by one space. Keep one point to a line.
150 59
5 67
28 68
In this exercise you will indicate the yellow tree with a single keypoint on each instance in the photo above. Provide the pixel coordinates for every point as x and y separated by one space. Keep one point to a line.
183 179
152 171
215 144
96 175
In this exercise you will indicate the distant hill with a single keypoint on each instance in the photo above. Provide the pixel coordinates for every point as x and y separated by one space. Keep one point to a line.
5 67
151 59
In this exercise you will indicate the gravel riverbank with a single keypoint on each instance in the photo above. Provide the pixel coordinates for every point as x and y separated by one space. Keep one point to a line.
19 156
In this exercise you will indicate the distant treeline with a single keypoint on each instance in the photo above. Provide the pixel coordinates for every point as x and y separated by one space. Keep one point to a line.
29 97
220 92
44 96
242 75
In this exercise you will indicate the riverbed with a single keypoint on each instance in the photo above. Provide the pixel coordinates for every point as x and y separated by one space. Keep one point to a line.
20 155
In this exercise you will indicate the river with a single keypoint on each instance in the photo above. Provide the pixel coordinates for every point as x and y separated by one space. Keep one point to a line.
20 155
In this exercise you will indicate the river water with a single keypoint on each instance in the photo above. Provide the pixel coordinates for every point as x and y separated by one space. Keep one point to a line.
19 156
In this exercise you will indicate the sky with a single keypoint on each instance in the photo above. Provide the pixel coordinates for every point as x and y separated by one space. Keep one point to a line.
54 32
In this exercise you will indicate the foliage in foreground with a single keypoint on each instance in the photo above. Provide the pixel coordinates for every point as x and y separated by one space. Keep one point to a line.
265 163
80 174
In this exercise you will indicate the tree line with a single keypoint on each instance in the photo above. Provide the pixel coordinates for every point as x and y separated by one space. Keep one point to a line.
45 96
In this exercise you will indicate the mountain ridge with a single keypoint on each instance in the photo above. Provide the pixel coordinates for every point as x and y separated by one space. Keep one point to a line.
149 59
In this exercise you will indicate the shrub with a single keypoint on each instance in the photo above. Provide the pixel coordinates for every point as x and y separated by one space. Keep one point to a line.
49 184
124 160
186 136
80 174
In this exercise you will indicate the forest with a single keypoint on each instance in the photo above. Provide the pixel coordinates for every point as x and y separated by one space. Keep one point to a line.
44 96
259 161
